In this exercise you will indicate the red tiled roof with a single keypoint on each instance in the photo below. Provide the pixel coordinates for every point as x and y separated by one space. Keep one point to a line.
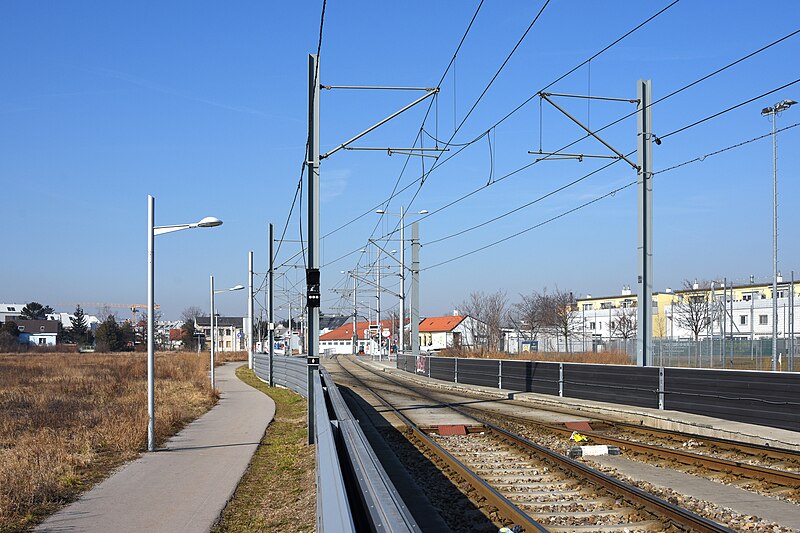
440 323
345 332
175 334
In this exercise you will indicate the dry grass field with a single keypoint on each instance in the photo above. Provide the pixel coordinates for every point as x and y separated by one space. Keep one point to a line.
67 420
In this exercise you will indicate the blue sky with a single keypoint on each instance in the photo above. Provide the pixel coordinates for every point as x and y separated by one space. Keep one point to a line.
203 105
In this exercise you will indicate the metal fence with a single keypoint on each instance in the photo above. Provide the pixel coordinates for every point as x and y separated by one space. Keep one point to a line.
289 372
741 354
763 398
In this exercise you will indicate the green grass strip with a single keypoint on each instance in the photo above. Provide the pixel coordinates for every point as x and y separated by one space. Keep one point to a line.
277 492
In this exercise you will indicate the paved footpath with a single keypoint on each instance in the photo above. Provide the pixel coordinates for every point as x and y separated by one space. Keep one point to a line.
184 486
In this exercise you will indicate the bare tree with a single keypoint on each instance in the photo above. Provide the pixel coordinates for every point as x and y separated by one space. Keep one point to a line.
191 313
528 314
623 323
693 310
561 315
488 310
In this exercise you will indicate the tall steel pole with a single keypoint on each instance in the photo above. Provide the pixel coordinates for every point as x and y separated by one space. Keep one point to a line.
250 297
271 334
378 308
355 313
402 280
774 243
313 230
213 333
415 288
151 405
644 335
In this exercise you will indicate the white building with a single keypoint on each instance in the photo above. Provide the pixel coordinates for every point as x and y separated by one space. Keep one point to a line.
230 332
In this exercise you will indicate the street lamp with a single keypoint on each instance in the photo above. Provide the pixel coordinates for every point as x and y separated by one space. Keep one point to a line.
773 111
402 215
213 329
152 231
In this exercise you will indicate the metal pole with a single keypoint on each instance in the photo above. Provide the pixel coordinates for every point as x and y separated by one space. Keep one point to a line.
712 306
415 288
402 281
291 332
250 311
378 314
644 328
313 229
791 323
213 333
151 405
724 318
355 312
271 327
774 244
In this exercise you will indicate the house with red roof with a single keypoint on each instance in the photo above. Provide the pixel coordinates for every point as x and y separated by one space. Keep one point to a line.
340 340
440 332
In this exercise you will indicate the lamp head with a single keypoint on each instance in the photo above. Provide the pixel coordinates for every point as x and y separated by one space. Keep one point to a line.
766 111
236 288
209 222
380 211
423 212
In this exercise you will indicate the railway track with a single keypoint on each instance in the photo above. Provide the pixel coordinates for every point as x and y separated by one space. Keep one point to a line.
520 482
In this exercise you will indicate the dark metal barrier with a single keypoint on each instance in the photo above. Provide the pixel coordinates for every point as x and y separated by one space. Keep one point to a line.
764 398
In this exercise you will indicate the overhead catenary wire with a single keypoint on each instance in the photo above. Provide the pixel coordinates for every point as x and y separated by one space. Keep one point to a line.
508 115
606 195
667 96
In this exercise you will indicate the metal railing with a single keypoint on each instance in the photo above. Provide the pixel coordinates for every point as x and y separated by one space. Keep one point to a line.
354 491
289 372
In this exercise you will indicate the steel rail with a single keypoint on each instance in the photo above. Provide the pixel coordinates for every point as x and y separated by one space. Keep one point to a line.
661 507
504 505
780 477
745 447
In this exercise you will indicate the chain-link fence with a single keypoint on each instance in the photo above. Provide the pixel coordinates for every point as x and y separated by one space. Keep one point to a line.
741 354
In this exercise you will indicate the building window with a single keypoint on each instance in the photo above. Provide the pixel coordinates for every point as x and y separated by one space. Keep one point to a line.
781 294
606 305
743 320
227 344
747 297
762 320
587 307
41 328
12 308
42 342
591 325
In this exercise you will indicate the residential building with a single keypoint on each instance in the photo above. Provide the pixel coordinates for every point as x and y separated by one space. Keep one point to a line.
38 332
454 331
10 312
340 340
230 332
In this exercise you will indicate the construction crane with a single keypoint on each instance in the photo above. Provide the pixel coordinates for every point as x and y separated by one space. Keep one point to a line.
99 305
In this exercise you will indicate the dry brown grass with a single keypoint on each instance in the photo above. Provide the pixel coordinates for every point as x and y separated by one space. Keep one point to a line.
67 420
597 358
229 357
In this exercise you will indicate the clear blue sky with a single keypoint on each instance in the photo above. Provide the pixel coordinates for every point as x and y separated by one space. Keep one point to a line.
203 105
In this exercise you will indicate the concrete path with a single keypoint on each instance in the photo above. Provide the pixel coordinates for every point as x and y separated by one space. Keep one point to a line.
185 486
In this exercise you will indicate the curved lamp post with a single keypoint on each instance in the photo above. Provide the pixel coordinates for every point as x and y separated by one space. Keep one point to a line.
213 329
152 231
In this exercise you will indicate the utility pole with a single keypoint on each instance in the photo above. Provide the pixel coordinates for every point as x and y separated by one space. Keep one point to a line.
378 308
415 288
355 315
250 297
312 274
271 326
402 280
644 121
